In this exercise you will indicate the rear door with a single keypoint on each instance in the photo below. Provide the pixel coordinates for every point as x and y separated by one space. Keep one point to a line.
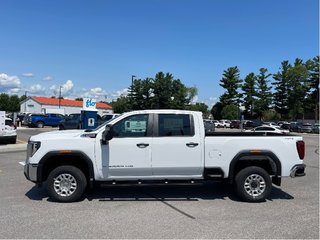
176 146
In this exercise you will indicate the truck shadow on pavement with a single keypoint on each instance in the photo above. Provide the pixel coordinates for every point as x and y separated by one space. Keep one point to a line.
164 193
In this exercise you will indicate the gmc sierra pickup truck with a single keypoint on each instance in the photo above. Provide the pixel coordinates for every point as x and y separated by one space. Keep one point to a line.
167 146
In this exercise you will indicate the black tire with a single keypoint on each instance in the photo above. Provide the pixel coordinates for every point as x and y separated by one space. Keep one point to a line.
66 184
253 184
40 124
61 127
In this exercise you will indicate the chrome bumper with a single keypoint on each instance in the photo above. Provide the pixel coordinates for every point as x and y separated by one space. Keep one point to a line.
30 172
298 170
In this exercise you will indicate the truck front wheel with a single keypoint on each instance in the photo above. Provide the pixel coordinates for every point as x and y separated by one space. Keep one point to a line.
66 184
253 184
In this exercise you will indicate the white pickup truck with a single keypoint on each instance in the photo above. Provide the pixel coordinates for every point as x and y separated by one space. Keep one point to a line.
165 146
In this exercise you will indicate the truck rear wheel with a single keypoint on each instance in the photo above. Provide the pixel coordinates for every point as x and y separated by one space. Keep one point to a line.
253 184
66 184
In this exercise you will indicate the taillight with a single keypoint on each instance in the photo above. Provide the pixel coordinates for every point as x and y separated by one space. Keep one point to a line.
301 149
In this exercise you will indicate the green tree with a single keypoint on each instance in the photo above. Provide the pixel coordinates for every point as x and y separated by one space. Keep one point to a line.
263 92
140 94
4 102
216 111
281 94
299 87
201 107
231 82
230 112
270 115
249 93
312 101
14 104
121 105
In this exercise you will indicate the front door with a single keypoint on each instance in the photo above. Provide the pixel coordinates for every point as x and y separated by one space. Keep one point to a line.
129 151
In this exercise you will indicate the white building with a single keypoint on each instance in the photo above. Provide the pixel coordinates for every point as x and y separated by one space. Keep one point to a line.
62 106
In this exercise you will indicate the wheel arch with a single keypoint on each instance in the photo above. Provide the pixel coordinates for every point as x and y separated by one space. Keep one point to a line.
260 158
55 159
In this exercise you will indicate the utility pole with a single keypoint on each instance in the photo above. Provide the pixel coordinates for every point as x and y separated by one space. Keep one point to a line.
25 103
131 91
60 96
132 77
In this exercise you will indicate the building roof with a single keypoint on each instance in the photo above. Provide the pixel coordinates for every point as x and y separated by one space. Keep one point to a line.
66 102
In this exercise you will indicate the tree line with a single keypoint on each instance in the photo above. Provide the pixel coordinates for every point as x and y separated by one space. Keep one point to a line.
161 92
287 94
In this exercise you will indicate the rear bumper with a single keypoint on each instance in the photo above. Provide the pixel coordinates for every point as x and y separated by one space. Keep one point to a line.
298 170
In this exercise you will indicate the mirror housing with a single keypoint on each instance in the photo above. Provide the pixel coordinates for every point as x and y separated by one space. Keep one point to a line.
107 135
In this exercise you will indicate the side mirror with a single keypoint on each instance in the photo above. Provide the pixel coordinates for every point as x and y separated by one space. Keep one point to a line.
107 135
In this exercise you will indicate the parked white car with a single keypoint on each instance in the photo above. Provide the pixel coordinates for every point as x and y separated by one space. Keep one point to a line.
217 124
8 132
267 128
225 123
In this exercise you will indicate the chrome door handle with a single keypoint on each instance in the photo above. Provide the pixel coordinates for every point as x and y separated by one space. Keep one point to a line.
192 144
142 145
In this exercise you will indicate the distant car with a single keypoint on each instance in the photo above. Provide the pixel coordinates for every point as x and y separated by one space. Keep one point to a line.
315 128
295 126
306 128
248 124
235 124
8 133
41 120
266 128
216 123
209 126
106 118
72 121
225 123
273 124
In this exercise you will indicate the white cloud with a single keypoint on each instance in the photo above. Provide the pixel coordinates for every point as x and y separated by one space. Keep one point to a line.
47 78
119 93
98 93
13 91
7 81
28 74
66 89
36 89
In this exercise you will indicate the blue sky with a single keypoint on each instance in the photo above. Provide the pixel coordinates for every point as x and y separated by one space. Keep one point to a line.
91 48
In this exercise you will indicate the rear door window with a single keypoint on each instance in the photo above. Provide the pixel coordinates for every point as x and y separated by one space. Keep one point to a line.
175 125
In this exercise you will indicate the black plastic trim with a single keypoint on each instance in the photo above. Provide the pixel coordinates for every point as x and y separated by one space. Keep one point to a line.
79 154
243 155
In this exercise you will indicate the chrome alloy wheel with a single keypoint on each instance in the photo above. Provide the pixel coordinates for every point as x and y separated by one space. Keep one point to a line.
65 184
254 185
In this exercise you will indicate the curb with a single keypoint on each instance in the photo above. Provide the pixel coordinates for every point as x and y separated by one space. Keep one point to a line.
18 147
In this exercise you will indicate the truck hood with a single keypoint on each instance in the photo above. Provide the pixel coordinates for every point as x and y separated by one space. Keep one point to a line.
66 134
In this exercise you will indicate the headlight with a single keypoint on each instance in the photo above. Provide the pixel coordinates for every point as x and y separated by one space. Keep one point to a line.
32 148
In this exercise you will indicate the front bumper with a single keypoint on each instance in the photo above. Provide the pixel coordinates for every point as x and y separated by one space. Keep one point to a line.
298 170
30 172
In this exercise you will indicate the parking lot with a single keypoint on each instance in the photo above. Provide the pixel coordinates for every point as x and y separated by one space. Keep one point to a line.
175 211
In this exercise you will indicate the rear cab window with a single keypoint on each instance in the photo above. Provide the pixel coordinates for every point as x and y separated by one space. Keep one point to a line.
175 125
